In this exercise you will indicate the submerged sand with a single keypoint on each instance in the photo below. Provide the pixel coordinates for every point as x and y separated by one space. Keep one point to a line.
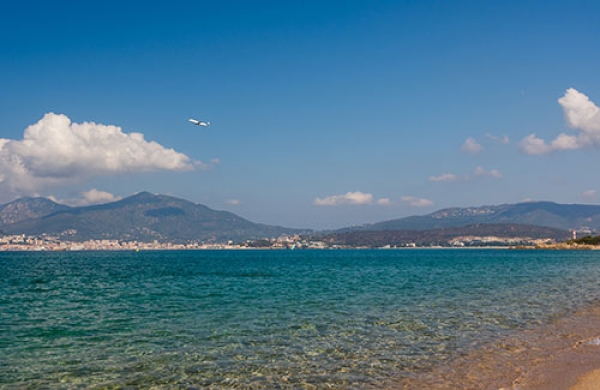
563 355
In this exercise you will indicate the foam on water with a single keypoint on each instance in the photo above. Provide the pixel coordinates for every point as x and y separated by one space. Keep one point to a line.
594 341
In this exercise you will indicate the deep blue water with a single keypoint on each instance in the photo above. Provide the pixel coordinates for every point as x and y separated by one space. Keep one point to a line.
270 319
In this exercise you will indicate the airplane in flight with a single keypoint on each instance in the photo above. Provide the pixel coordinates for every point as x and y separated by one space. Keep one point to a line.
199 123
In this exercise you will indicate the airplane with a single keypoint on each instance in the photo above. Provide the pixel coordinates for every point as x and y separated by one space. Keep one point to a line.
199 123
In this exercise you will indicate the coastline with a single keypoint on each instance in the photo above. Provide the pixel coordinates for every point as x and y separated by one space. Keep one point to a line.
567 355
563 355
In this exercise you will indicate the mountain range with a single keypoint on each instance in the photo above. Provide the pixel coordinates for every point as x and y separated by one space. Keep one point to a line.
141 217
547 214
493 234
149 217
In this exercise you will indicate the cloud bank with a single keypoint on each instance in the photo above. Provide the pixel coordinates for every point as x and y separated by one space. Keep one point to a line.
582 115
54 151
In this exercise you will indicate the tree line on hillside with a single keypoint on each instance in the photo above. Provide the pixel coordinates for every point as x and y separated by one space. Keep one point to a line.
378 238
587 240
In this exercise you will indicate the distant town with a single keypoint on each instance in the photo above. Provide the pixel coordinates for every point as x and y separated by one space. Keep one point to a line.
23 242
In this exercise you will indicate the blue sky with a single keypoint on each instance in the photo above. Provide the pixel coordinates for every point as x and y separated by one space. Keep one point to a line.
323 114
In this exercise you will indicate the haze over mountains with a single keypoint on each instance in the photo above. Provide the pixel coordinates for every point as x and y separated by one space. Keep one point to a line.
149 217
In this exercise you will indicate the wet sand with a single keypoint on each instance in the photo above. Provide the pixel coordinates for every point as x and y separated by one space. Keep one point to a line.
590 381
567 354
563 355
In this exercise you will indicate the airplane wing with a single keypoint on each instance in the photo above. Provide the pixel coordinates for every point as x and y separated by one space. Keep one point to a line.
199 123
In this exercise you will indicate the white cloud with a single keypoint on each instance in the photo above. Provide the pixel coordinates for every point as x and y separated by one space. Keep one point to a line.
207 166
589 194
90 197
444 177
384 202
534 145
582 115
528 200
471 146
357 198
417 202
493 173
580 112
496 174
233 202
478 172
566 142
94 196
54 151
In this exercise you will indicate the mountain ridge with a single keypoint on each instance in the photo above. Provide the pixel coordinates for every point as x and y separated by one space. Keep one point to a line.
543 213
149 217
141 217
470 235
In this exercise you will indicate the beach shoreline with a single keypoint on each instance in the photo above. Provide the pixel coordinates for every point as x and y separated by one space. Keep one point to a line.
562 355
569 354
589 381
577 368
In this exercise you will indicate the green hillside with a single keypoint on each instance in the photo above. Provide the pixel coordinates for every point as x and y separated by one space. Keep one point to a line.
145 217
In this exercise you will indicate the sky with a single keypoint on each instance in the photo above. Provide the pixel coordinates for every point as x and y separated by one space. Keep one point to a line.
324 114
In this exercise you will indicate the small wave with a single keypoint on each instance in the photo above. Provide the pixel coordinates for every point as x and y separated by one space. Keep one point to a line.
595 341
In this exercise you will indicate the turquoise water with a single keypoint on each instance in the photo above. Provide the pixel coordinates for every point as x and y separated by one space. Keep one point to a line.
270 319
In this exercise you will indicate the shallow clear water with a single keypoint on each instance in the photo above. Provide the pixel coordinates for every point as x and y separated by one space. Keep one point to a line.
270 319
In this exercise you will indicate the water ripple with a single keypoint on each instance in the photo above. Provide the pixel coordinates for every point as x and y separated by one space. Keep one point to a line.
270 319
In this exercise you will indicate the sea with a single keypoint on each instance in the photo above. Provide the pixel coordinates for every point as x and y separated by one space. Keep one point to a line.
292 319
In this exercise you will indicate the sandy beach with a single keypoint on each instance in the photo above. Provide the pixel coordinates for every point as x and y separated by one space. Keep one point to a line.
568 355
589 381
575 369
564 355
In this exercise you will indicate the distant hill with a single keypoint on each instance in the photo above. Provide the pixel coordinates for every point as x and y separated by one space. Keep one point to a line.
149 217
28 208
547 214
521 235
142 217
